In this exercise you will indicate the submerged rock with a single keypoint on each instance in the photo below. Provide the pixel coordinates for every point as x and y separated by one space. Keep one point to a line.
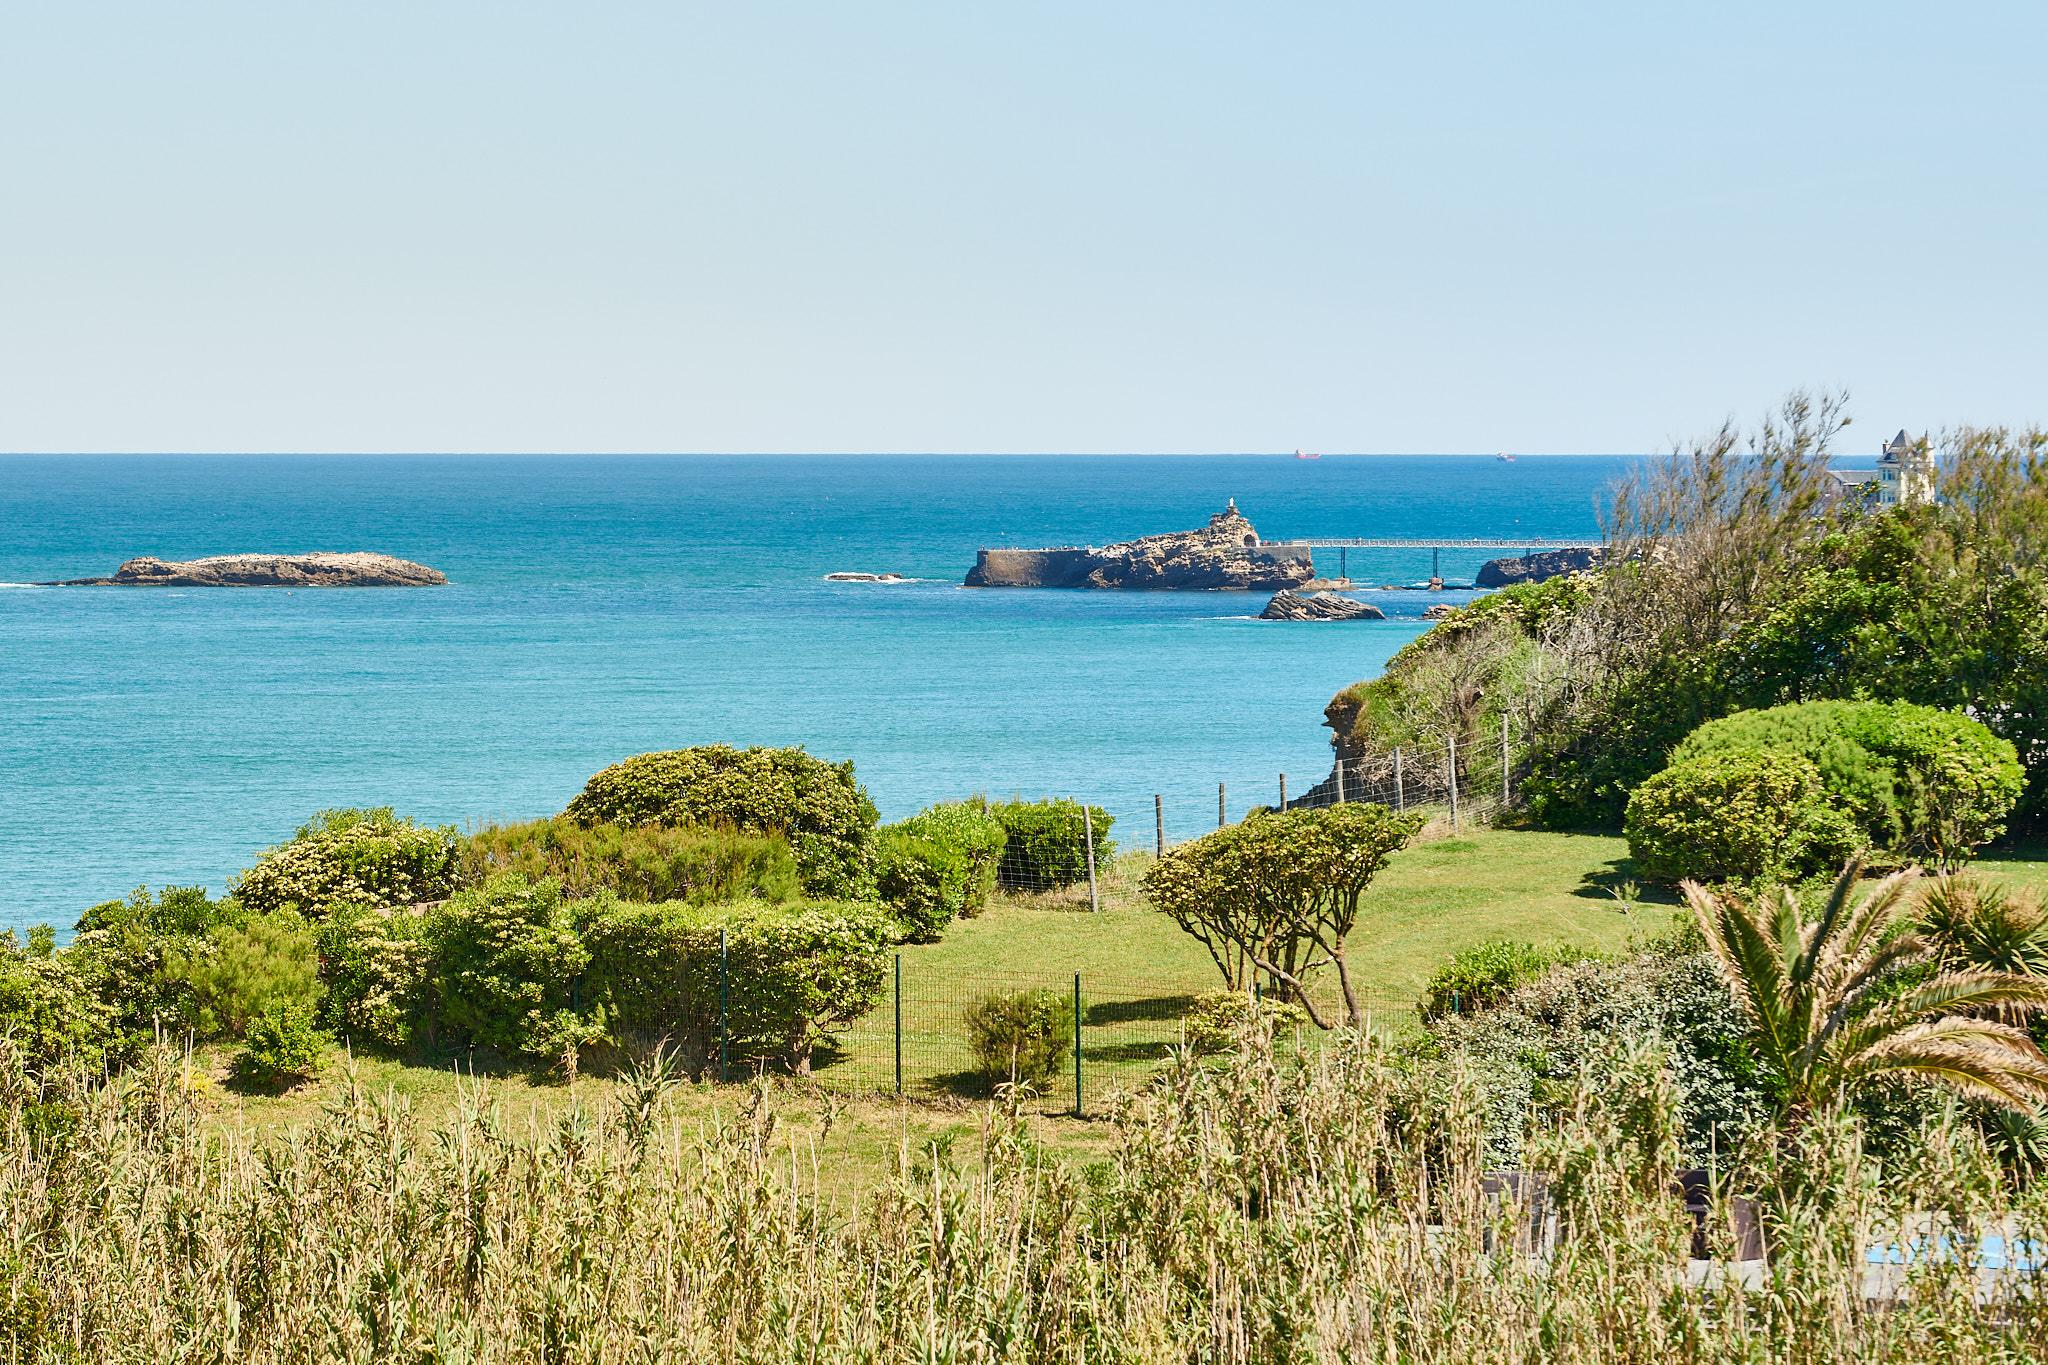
322 569
1321 606
1534 568
1225 555
849 576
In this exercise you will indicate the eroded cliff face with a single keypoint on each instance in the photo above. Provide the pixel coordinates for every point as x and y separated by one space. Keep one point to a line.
1224 556
353 569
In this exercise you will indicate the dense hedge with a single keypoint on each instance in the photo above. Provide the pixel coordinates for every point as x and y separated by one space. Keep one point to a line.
938 865
1742 815
49 1012
353 857
1919 782
638 862
514 966
793 974
502 962
1045 843
818 806
970 830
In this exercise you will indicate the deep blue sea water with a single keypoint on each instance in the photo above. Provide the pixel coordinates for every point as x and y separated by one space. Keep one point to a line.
599 607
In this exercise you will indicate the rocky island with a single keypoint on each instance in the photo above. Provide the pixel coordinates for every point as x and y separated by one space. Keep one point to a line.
1226 555
323 569
1288 605
1534 568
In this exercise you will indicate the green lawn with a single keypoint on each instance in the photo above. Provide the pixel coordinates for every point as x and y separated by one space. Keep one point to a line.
2024 864
1138 973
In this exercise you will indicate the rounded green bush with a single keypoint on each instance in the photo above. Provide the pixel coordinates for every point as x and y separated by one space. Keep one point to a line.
823 812
503 961
352 857
1744 815
1918 781
1216 1023
282 1046
924 881
968 829
1480 977
1021 1037
783 978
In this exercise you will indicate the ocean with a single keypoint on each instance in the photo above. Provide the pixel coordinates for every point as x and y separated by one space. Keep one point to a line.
603 606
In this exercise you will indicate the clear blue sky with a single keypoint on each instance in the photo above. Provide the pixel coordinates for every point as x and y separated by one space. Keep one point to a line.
1043 226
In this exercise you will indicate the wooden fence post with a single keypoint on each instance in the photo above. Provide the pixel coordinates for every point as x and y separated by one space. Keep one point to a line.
1340 781
1400 786
1453 762
1283 793
899 1023
1158 826
1222 812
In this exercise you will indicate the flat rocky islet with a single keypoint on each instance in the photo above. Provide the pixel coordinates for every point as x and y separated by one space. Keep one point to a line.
1318 606
1226 555
320 569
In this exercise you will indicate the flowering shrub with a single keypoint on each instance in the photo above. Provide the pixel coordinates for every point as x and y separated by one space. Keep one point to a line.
352 857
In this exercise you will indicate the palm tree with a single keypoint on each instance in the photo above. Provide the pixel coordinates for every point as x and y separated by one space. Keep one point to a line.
1980 924
1835 1002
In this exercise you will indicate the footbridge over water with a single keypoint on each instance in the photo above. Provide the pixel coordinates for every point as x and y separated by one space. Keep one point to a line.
1436 546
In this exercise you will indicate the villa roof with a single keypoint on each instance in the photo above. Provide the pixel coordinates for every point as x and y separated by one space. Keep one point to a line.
1853 477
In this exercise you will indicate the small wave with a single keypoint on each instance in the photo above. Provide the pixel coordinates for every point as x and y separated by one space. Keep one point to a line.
24 585
875 580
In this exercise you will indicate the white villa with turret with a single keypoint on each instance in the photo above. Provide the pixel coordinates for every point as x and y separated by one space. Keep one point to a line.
1904 475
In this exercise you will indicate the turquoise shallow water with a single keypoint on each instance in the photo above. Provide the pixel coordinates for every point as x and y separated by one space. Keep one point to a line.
599 607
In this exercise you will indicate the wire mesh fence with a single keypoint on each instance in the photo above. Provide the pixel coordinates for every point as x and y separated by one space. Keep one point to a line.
941 1035
1456 784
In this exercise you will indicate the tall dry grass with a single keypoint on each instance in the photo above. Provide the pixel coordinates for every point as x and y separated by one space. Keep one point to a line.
1317 1208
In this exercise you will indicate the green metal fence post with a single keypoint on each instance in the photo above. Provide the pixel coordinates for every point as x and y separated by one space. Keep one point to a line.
1077 1045
721 1006
899 1023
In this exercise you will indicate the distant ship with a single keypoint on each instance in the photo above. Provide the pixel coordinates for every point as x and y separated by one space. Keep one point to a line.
1300 456
1505 458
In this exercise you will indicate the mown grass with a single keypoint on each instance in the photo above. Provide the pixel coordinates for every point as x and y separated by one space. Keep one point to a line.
1138 973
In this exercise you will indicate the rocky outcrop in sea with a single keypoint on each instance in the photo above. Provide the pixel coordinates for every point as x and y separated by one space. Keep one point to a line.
322 569
1319 606
1534 568
1225 555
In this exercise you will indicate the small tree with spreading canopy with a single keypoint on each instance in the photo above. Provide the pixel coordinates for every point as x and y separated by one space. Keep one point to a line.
1276 898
